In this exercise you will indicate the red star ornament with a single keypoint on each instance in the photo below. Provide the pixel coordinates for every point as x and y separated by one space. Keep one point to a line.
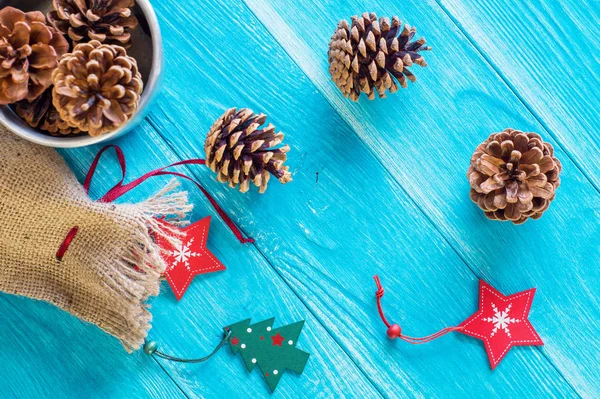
501 322
189 259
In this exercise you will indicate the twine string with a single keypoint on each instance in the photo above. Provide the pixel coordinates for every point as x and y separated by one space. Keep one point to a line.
429 338
150 348
412 340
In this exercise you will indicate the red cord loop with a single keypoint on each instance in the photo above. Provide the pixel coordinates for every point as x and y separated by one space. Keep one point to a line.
380 291
121 189
378 294
66 242
395 331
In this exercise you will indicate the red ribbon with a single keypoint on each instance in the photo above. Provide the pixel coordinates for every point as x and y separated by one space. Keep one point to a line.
120 189
395 331
66 242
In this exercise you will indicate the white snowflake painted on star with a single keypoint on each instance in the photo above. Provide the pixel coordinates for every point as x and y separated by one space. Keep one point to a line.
183 254
501 320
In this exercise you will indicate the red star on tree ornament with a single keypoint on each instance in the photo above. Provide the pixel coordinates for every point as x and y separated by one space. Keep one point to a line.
277 339
189 259
501 322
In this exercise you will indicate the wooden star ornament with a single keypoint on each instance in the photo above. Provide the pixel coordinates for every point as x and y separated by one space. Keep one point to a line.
501 322
190 258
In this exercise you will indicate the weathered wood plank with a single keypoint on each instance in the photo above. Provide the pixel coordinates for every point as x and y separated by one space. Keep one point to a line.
554 69
436 124
47 353
249 288
553 65
328 238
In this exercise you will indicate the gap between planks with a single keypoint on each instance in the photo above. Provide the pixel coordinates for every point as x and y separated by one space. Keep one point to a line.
7 298
534 114
399 184
514 90
170 377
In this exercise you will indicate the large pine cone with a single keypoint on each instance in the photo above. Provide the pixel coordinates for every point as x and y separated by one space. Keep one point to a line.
240 151
97 87
107 21
367 56
514 176
41 114
29 52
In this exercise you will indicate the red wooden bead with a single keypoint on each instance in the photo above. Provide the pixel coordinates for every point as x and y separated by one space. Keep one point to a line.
394 331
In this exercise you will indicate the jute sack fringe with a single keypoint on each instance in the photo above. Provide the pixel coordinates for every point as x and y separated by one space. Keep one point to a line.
112 266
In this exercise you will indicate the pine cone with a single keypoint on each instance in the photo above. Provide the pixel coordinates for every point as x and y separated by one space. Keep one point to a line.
240 151
107 21
41 114
97 87
370 54
29 52
514 176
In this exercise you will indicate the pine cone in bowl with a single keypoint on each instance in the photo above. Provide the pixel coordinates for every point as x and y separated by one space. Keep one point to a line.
107 21
29 53
371 56
97 87
241 151
514 176
41 114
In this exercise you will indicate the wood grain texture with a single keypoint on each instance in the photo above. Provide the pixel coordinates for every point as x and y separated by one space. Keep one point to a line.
554 69
47 353
391 197
553 66
436 126
327 261
249 288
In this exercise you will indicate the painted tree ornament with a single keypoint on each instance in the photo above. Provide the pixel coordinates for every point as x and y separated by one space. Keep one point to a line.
501 322
189 257
272 350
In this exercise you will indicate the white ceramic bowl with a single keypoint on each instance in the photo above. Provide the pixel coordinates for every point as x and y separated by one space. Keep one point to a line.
147 49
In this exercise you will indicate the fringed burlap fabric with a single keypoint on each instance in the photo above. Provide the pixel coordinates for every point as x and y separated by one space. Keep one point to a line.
112 265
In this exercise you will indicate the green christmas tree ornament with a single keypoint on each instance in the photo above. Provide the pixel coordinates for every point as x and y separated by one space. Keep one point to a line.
273 350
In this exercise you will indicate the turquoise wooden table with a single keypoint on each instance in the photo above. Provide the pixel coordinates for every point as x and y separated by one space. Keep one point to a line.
391 198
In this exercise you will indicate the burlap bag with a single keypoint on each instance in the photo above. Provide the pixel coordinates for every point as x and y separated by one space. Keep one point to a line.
111 267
